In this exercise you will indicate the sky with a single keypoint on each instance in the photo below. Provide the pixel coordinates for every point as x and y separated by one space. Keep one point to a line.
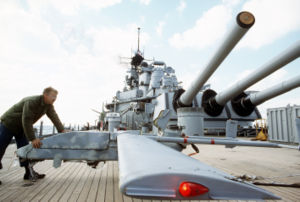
75 46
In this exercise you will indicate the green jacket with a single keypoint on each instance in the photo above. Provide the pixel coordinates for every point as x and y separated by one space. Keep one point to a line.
21 117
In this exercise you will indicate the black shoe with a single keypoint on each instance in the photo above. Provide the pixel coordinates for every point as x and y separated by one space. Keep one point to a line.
0 182
28 176
39 176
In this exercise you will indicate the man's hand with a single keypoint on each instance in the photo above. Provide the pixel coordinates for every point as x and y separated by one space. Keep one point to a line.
36 143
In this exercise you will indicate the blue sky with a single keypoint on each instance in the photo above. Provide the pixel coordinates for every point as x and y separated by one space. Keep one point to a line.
75 46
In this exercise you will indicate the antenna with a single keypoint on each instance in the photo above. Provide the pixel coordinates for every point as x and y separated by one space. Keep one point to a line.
139 39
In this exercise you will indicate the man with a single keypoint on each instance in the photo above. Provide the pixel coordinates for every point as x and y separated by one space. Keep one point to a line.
18 122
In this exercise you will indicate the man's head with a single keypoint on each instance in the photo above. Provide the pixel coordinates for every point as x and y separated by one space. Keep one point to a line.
50 95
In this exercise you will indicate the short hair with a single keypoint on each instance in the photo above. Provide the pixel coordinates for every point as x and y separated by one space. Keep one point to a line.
49 89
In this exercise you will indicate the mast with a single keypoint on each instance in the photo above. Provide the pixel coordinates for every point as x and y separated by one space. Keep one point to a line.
138 39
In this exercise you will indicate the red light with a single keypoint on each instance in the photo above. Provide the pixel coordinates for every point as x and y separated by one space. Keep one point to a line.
189 189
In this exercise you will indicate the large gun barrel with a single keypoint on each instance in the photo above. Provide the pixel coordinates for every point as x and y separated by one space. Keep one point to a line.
244 21
261 97
279 61
213 103
245 105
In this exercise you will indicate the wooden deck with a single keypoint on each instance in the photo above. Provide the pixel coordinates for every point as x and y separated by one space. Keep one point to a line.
78 182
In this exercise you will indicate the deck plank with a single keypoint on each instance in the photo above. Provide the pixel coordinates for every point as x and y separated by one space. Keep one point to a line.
102 185
127 199
76 181
87 186
92 196
60 183
10 181
24 193
117 193
53 180
109 194
136 200
67 194
80 184
66 184
236 170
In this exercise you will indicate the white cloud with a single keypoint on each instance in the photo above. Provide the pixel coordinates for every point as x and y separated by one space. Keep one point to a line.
33 56
273 20
116 40
159 28
231 2
145 2
71 7
208 29
181 6
142 19
20 30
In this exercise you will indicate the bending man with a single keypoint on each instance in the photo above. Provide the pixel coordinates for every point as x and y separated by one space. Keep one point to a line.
18 122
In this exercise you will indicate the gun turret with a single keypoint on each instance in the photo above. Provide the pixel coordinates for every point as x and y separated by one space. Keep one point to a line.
244 21
214 103
244 104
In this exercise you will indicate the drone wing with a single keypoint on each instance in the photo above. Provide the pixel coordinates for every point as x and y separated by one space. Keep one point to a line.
151 169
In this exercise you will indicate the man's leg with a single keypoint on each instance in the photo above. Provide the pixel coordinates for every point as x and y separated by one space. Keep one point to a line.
0 168
30 174
22 141
5 138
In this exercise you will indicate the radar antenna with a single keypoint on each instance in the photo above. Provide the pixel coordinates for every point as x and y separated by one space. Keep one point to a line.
138 57
138 39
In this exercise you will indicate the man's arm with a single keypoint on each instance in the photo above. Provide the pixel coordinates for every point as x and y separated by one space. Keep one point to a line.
51 113
27 121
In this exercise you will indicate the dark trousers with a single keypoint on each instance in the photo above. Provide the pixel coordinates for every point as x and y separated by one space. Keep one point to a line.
6 137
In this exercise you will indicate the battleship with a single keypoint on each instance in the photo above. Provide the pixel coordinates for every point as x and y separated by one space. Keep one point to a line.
152 95
153 119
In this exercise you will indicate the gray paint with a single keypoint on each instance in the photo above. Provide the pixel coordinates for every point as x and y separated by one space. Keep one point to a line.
269 93
158 174
190 121
274 64
229 42
282 124
93 146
